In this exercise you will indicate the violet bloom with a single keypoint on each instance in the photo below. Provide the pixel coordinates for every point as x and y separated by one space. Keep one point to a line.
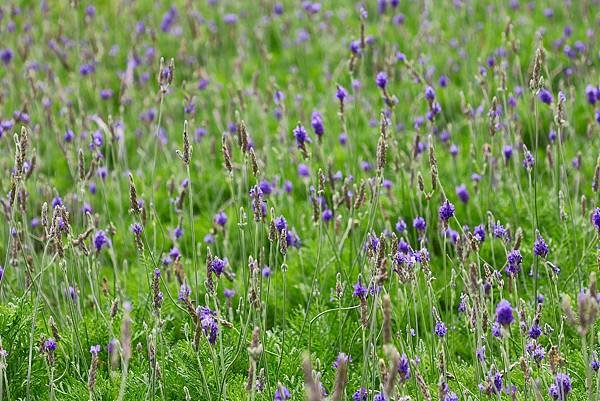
106 94
101 240
528 160
230 19
217 265
535 331
504 313
168 19
404 368
446 211
174 253
282 394
429 94
381 79
440 329
50 345
354 47
280 223
540 248
208 322
343 138
360 395
595 219
545 96
400 226
590 94
513 262
6 56
561 387
220 219
499 231
595 363
379 397
87 69
342 357
462 193
102 173
360 291
97 140
56 201
184 292
303 170
480 354
301 135
419 223
69 135
317 123
341 93
178 232
136 228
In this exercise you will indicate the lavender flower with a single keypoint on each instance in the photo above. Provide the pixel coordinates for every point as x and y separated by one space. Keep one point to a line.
540 248
184 292
528 160
479 233
400 225
218 265
317 123
462 193
360 395
446 211
535 331
381 79
342 357
95 349
595 219
404 368
561 387
301 135
101 240
220 219
513 262
440 329
360 291
6 56
545 96
429 94
341 93
208 322
419 223
50 345
282 394
504 313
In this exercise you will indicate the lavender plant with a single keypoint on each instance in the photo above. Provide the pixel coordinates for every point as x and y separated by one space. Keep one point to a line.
285 200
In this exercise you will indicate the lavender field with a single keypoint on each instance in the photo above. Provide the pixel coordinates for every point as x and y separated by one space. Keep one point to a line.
329 200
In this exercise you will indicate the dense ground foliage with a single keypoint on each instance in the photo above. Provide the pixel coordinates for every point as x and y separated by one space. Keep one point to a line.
218 199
